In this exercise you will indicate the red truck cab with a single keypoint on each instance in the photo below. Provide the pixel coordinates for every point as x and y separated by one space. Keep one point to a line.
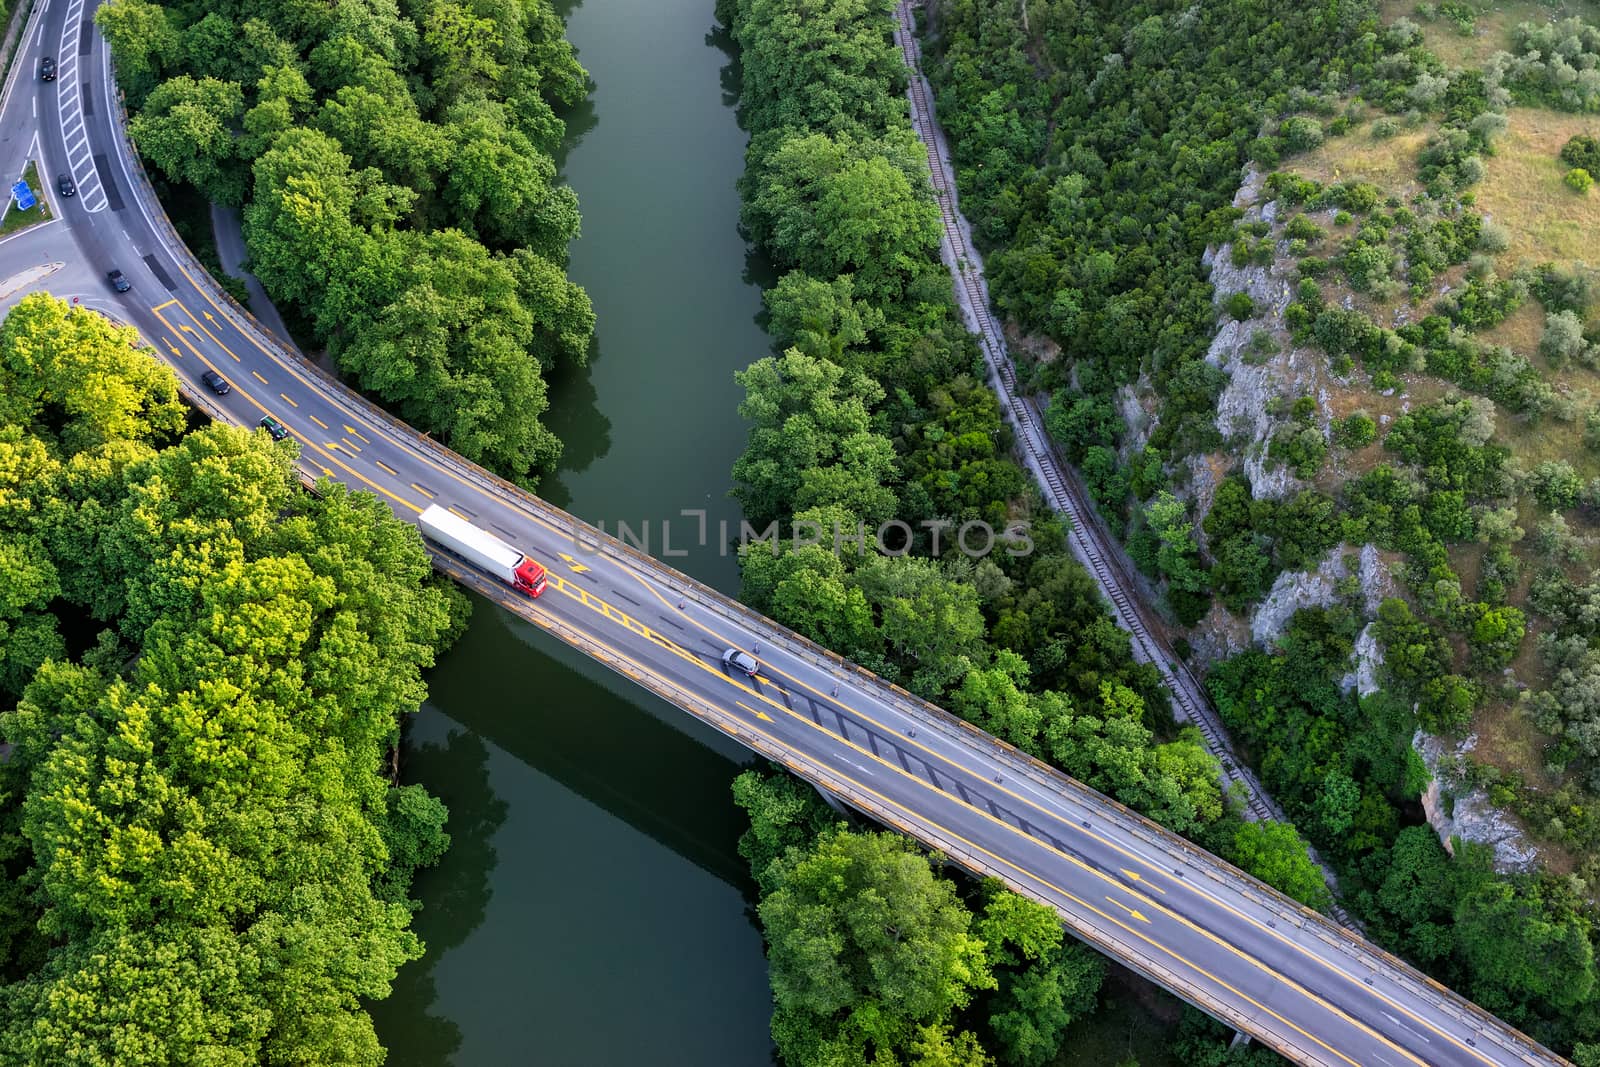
531 577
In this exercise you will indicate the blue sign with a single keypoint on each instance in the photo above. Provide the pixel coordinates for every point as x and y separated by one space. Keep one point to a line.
24 195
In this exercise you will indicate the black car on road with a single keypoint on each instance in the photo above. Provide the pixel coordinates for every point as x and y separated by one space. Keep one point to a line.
119 281
277 429
47 69
64 183
216 383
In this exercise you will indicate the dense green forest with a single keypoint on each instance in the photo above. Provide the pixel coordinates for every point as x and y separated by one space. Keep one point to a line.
1099 149
876 408
400 200
202 670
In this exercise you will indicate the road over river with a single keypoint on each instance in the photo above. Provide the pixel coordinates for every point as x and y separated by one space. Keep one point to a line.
1248 955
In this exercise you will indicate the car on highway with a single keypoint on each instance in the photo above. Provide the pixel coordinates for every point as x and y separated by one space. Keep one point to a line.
216 383
47 69
119 281
277 429
64 183
741 661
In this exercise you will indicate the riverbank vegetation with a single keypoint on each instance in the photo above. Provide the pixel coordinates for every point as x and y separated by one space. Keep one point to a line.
1389 342
400 199
202 668
876 409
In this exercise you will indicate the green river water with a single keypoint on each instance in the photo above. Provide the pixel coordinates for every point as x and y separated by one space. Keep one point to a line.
592 909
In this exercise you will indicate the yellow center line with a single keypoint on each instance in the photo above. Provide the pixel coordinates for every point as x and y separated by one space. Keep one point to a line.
1078 828
915 816
265 411
517 506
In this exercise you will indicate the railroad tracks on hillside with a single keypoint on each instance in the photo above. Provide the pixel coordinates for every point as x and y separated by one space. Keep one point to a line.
1063 490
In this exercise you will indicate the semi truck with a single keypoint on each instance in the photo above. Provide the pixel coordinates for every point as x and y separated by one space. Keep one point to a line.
482 549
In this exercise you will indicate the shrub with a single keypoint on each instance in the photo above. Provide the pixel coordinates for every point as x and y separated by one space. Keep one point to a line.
1240 306
1384 128
1578 180
1356 430
1583 152
1300 134
1493 237
1556 485
1562 339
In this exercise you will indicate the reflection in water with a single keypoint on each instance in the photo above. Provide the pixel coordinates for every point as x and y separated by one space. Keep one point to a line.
577 420
593 905
457 892
593 909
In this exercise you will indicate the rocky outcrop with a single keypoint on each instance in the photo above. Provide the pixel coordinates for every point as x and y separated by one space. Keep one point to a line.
1466 814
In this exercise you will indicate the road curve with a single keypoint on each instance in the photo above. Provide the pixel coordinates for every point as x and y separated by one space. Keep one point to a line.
1214 936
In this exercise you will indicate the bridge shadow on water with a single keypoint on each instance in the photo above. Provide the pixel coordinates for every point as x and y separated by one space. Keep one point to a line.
511 691
620 748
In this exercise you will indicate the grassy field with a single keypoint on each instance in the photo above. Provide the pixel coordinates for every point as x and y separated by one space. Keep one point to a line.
1491 28
1522 189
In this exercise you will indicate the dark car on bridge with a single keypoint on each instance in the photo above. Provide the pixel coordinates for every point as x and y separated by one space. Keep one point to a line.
743 662
277 429
64 183
47 69
216 383
119 281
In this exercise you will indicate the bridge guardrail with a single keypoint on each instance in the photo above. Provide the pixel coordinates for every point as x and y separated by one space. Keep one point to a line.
360 407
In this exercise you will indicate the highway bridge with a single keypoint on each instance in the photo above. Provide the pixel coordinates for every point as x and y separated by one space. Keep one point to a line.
1221 940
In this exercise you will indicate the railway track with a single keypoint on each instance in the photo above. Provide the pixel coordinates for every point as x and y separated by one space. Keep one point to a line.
1063 490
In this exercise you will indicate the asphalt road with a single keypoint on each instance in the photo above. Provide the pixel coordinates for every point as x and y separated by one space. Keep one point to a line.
1214 936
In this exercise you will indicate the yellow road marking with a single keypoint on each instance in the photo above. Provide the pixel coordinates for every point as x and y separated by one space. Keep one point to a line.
1139 915
346 442
421 490
168 304
1135 876
577 567
388 469
1027 875
518 506
353 432
318 421
287 400
457 511
257 376
1055 816
763 716
263 409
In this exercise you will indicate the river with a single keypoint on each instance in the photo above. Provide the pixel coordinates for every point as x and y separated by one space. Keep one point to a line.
592 908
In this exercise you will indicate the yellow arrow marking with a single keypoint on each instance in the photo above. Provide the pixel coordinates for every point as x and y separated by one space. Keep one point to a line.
574 564
763 716
353 432
1131 911
1135 876
327 471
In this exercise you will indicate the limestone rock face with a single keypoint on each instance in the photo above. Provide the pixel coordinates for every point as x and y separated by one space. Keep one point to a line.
1471 817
